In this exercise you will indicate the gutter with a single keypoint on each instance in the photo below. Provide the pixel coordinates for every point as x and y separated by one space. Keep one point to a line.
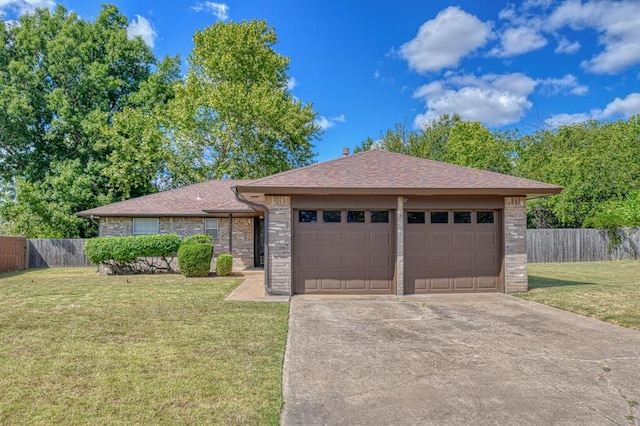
267 271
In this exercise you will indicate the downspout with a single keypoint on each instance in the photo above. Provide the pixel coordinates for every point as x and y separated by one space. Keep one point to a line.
267 271
231 234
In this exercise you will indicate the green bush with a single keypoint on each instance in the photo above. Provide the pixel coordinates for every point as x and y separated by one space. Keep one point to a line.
197 239
141 254
194 259
224 265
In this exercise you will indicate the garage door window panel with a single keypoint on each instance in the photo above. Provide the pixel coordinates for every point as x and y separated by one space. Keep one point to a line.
355 216
380 216
331 216
461 217
485 218
307 216
439 217
415 217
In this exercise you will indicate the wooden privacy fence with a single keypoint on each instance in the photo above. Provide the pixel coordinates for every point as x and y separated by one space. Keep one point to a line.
13 254
580 245
56 253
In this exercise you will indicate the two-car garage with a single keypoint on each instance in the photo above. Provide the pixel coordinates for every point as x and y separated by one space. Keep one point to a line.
353 250
379 222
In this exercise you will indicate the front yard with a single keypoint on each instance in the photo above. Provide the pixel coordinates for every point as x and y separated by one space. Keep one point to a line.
609 291
76 348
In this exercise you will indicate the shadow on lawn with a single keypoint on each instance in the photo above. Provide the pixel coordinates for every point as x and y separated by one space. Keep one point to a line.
13 273
544 282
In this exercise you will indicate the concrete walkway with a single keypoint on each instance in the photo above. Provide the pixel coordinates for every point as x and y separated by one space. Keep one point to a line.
456 360
252 289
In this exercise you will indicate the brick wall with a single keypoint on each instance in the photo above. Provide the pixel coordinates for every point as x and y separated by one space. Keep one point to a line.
185 226
115 227
242 243
279 260
515 245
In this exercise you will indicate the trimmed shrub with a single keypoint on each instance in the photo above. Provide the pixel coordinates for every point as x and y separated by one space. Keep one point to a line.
144 254
224 265
194 259
197 239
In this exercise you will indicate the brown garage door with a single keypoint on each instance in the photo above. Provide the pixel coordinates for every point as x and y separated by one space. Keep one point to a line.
343 251
449 251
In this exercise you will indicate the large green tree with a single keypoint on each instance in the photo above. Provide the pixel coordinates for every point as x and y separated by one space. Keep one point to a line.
79 103
233 117
449 139
594 162
428 142
471 144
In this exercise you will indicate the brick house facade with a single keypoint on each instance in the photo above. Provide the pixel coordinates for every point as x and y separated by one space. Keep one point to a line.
370 223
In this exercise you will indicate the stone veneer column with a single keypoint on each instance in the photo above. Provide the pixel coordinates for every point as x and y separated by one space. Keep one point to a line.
515 245
400 247
279 280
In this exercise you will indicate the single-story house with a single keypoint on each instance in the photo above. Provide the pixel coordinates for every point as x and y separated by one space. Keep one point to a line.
373 222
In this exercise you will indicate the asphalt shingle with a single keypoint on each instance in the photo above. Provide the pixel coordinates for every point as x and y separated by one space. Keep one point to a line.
192 200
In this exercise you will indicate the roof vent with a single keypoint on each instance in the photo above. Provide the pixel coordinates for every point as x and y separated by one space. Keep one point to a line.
199 197
345 152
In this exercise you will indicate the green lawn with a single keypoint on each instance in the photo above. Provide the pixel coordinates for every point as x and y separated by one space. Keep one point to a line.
609 291
77 348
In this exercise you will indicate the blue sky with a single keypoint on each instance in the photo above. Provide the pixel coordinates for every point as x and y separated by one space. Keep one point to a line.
366 65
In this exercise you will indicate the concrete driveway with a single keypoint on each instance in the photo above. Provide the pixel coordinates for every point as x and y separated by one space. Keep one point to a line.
455 360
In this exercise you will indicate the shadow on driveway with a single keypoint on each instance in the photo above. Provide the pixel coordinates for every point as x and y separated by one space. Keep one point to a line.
453 360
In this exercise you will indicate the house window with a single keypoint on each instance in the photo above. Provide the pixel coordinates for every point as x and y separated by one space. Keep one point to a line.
145 226
211 227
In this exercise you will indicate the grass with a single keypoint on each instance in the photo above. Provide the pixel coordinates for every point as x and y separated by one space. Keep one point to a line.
609 291
77 348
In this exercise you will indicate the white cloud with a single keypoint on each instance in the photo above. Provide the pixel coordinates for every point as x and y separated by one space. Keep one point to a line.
622 107
617 108
493 99
444 40
567 84
565 46
384 80
326 123
291 83
519 40
219 10
544 4
21 7
562 119
142 27
618 25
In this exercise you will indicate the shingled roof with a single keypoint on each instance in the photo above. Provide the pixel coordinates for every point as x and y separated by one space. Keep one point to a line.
385 173
193 200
